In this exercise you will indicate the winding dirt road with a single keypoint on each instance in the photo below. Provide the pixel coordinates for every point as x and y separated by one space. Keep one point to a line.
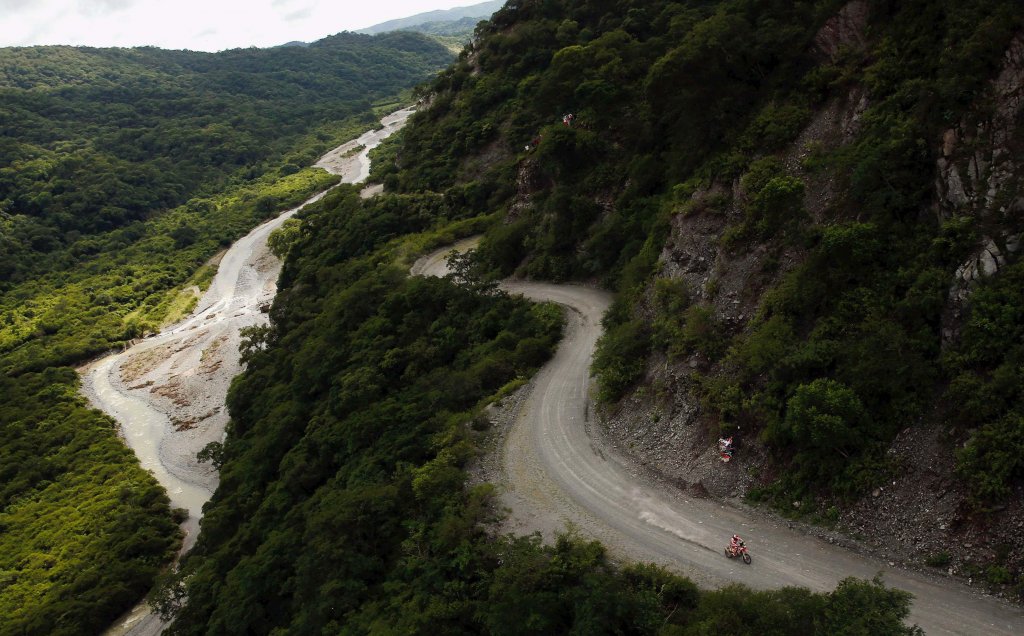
556 471
168 392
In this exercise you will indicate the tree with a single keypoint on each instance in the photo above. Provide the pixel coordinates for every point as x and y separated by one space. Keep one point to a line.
282 239
866 608
184 235
826 416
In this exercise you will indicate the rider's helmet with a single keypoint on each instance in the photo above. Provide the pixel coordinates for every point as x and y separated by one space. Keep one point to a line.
735 537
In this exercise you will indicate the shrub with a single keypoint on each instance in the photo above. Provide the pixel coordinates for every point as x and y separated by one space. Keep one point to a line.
825 415
671 300
938 560
992 458
702 332
621 358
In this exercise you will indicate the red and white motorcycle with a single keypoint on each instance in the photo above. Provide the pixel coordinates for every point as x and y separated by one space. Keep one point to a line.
725 448
738 551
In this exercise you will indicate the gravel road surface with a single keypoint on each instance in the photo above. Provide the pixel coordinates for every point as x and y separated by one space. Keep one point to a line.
557 471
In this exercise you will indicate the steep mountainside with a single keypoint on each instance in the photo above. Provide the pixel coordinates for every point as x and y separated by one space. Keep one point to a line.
811 212
343 505
756 180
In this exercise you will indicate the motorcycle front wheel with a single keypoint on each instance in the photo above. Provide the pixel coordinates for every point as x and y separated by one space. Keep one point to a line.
746 559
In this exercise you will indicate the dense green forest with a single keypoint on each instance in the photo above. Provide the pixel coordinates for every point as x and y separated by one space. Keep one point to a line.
342 506
95 139
123 171
84 530
687 113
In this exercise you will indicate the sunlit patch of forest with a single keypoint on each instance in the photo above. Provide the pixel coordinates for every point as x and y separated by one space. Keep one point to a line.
123 171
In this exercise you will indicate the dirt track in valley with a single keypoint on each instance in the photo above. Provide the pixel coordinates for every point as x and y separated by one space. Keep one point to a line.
168 391
556 471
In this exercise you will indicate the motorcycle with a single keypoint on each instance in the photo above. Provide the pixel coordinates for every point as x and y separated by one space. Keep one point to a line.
739 551
725 448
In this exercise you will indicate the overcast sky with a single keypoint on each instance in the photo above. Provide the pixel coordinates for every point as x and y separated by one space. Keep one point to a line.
201 25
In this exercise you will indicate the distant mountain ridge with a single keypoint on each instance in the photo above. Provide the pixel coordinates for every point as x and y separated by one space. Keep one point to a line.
434 18
462 28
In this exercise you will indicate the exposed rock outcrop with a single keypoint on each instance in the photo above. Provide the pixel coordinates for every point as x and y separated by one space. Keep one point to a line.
528 182
844 31
979 175
668 432
978 170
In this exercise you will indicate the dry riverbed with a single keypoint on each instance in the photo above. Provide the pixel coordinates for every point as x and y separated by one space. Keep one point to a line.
168 391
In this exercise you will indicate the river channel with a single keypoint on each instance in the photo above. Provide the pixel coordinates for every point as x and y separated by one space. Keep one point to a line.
168 391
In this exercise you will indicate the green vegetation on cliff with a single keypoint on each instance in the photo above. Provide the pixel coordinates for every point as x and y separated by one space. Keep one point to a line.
809 142
686 116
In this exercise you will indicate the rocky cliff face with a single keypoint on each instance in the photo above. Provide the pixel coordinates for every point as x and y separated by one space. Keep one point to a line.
845 31
667 430
923 510
979 176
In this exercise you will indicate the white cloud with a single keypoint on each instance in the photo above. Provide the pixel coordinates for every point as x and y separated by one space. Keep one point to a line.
207 25
301 14
102 8
9 6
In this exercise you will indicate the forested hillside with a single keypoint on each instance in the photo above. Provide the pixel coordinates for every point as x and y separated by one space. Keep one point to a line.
343 506
811 213
122 171
95 139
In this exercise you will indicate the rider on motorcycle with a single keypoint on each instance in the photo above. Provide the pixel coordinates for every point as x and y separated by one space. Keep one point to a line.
735 543
725 448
